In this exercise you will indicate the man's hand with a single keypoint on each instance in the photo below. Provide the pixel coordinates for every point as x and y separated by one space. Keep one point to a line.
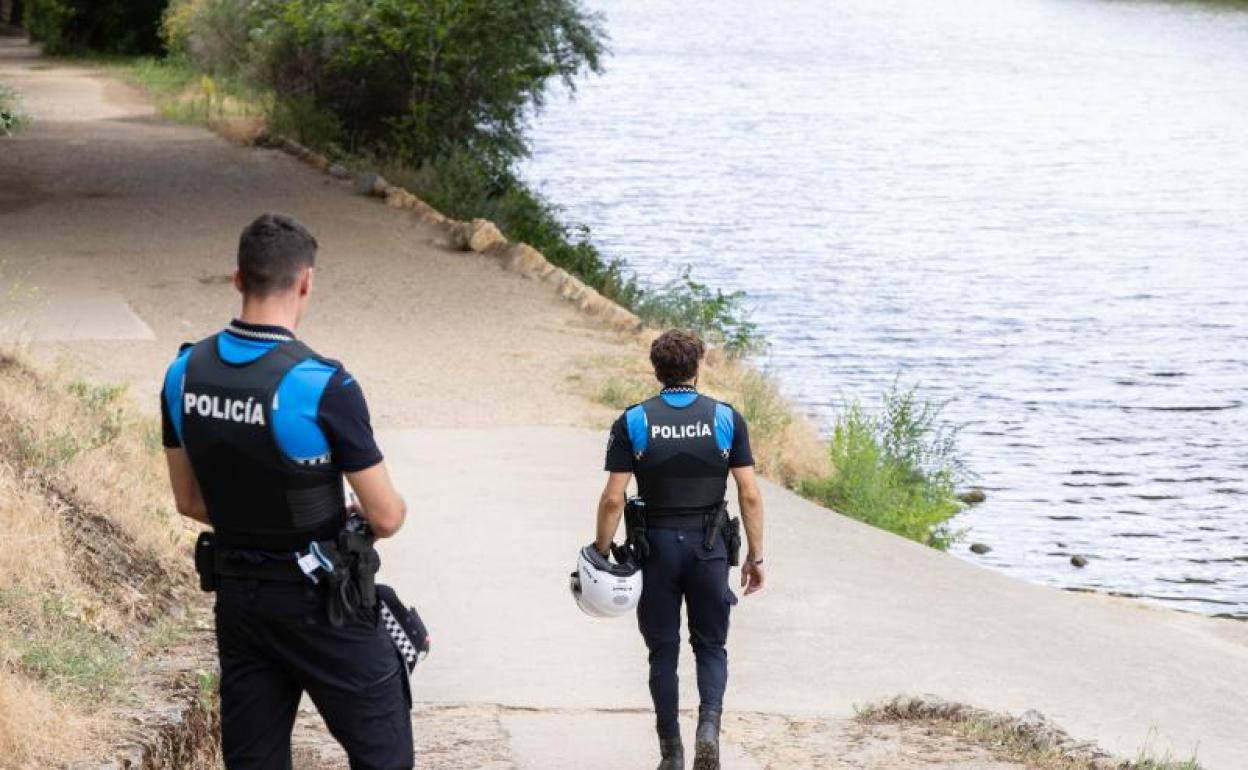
753 576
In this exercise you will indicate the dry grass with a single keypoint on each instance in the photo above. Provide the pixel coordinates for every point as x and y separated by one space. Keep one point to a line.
1030 739
94 558
787 448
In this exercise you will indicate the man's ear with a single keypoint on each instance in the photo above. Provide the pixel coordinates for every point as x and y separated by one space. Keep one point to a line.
305 282
238 281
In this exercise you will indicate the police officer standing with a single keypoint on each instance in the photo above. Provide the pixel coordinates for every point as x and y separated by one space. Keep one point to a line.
259 433
681 446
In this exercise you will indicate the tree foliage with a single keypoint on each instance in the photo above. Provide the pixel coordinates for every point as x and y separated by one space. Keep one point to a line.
108 26
408 79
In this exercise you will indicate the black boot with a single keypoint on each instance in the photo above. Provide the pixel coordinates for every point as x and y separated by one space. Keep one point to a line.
673 752
706 752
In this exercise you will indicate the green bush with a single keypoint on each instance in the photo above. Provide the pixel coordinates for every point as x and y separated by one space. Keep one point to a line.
419 79
105 26
896 469
215 35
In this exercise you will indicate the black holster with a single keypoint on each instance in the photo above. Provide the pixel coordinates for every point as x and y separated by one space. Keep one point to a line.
206 561
713 524
351 586
734 542
635 529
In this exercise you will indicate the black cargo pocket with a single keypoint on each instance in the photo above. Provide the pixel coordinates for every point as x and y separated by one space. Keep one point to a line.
730 598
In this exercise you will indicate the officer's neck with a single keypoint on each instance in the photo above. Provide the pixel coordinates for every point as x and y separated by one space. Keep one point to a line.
277 310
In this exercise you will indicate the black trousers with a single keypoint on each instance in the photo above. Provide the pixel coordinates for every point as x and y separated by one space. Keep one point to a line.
679 569
275 643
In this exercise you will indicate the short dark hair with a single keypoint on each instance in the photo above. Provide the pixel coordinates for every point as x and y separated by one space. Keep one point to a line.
675 355
271 252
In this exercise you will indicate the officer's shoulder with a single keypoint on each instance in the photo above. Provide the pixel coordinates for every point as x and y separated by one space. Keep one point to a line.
718 402
304 351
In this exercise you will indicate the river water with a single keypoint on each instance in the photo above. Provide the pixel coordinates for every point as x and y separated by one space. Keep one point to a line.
1037 209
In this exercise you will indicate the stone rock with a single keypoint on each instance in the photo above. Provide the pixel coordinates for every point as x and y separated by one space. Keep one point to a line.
556 277
370 184
483 234
338 171
591 301
1079 561
973 497
424 212
572 288
523 258
398 198
980 548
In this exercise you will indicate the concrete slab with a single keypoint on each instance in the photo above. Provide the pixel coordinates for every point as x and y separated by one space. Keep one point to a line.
598 740
853 614
69 315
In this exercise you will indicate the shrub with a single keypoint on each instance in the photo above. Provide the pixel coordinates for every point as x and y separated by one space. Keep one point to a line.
896 469
420 79
215 35
107 26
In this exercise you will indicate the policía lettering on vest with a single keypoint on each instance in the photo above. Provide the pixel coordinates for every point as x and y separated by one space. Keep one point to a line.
250 411
692 430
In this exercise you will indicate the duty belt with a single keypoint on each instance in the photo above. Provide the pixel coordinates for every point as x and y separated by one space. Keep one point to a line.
344 569
676 521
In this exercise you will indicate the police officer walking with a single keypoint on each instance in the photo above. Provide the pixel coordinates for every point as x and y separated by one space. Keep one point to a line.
681 446
259 433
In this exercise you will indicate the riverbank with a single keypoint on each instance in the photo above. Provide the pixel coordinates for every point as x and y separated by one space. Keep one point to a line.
119 225
966 199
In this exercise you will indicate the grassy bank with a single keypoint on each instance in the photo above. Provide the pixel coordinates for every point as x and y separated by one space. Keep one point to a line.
93 575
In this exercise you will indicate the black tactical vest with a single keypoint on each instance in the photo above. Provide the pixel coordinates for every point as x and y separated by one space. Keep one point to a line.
257 497
682 469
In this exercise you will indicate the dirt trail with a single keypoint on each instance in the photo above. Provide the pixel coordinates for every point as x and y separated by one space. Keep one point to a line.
117 230
102 199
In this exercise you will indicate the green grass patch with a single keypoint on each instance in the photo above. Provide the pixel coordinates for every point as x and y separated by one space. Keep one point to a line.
895 468
12 117
620 392
73 658
184 94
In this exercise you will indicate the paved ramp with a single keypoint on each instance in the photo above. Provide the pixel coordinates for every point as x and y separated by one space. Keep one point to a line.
853 614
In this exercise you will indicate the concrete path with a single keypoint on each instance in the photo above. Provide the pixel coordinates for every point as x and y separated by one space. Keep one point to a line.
853 615
472 372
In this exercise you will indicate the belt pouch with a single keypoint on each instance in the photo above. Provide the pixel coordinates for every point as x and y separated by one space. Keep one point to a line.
206 561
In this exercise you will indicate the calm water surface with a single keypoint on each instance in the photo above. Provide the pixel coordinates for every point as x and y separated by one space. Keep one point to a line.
1035 208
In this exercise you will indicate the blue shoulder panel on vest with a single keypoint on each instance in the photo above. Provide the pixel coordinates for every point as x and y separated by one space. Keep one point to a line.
174 378
239 350
679 400
638 428
295 410
725 426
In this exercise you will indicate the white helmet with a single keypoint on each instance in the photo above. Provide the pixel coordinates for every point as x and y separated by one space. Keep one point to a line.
604 589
